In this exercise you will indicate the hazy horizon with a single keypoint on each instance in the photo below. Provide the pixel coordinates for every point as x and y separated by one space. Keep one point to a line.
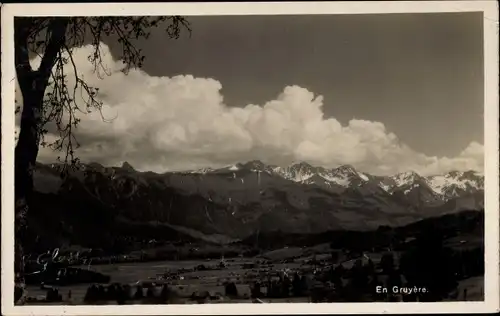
216 167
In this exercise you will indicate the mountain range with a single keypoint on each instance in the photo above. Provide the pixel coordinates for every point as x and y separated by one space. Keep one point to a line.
237 200
438 187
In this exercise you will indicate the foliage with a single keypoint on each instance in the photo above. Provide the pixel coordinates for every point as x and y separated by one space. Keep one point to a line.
387 263
430 265
53 40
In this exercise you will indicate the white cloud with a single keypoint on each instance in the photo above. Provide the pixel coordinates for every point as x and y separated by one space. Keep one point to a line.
175 123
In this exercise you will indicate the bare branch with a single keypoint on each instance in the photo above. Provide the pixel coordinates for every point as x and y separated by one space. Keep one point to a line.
54 39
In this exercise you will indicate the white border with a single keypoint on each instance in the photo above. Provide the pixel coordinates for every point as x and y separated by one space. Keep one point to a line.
491 303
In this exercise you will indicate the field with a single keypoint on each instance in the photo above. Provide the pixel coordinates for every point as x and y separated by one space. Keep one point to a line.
186 278
314 269
186 284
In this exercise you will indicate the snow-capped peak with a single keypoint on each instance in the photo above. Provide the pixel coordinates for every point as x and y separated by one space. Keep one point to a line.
233 168
454 183
346 170
203 170
405 178
297 172
346 175
446 186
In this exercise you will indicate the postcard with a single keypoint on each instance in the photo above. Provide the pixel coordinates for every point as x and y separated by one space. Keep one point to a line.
250 158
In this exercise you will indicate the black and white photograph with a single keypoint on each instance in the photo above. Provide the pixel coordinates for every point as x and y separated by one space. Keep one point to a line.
215 154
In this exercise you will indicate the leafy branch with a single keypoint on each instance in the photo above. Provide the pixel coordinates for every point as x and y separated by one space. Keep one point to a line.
53 40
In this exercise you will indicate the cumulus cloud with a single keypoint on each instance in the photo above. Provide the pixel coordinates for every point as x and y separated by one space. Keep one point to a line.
181 122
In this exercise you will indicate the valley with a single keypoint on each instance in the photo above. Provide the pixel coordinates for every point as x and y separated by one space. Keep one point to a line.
134 227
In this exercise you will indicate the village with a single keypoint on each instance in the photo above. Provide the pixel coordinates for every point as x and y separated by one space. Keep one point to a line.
278 276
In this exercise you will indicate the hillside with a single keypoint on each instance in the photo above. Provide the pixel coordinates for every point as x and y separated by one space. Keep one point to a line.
116 207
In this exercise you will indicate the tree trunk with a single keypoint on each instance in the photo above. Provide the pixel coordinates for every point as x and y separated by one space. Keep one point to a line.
25 158
32 85
21 179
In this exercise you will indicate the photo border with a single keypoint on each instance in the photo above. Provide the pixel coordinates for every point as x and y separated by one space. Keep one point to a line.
491 141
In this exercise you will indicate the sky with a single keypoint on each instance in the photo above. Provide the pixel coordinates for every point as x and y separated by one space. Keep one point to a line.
386 93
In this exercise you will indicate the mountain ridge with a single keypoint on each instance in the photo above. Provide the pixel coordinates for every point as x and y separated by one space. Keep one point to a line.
237 200
448 185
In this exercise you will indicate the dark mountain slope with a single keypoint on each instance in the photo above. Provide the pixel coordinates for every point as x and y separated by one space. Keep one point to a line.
115 207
